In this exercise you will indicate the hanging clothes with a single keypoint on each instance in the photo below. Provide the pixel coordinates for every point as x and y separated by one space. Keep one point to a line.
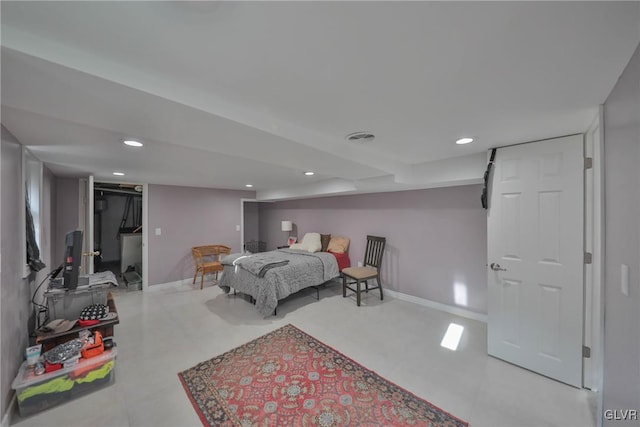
33 252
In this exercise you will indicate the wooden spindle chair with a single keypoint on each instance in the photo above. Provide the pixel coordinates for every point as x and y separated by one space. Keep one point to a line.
370 269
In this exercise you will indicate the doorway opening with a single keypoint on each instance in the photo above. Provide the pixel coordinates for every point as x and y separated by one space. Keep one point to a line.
118 225
250 230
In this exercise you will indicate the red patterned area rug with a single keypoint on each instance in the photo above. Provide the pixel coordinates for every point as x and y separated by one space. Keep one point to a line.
288 378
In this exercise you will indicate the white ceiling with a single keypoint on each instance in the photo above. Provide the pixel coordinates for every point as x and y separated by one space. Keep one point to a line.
229 93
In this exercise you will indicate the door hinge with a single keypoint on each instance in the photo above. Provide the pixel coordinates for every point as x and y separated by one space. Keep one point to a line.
586 352
588 258
588 162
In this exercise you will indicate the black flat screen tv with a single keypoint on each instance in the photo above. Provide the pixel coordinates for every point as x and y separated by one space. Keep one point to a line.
72 259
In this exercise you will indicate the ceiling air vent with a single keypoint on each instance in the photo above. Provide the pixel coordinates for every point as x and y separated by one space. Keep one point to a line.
360 137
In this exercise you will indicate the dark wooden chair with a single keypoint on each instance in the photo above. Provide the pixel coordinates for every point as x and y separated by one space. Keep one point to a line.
207 260
370 269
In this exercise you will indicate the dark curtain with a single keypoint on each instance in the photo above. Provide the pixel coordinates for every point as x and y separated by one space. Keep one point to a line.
33 252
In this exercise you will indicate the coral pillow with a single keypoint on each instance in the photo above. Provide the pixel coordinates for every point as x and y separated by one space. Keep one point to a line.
311 242
338 244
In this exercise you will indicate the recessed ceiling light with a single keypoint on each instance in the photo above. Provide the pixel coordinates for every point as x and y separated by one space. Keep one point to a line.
463 141
119 173
248 185
309 173
132 143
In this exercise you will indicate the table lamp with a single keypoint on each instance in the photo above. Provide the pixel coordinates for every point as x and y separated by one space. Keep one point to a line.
287 226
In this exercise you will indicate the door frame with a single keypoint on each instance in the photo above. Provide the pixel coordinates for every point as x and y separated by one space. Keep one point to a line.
83 211
85 220
593 303
594 273
145 237
242 220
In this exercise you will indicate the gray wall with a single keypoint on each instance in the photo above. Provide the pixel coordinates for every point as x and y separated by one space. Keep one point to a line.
622 240
14 289
435 238
15 306
188 217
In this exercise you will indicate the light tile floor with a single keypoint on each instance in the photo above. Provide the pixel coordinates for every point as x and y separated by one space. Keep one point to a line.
170 328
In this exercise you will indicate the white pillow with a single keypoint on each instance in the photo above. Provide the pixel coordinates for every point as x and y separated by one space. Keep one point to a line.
311 242
296 246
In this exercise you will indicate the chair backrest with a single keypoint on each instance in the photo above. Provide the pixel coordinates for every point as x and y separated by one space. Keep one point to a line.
200 252
221 249
374 251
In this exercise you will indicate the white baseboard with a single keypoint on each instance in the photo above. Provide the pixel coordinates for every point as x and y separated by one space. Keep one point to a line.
6 419
175 284
458 311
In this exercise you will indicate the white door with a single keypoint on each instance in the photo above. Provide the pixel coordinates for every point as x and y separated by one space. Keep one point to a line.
535 257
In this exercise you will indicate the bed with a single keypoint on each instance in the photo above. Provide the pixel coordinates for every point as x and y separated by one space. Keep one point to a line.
272 276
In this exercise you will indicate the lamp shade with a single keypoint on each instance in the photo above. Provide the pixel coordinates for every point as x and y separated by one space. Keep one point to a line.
287 226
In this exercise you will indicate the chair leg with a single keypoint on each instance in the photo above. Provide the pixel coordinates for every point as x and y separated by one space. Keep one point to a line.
380 287
344 286
358 292
366 286
194 277
202 281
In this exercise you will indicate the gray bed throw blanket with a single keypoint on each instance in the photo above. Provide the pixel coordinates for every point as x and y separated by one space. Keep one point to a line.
299 270
260 263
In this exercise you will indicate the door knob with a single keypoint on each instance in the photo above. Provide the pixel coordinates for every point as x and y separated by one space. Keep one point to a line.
496 267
